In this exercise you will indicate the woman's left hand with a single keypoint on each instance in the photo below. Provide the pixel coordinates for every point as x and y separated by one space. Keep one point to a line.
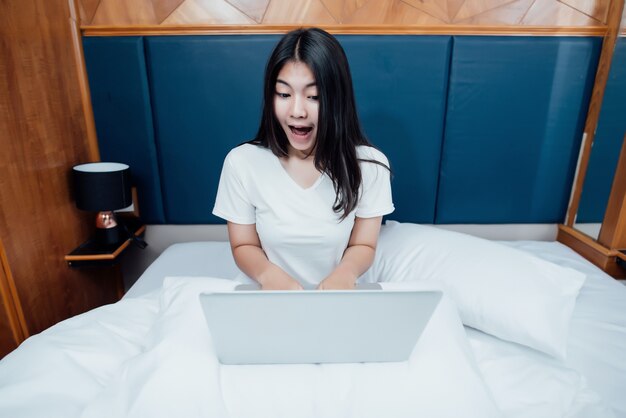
357 258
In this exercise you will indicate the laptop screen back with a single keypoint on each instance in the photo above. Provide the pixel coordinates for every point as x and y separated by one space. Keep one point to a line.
284 327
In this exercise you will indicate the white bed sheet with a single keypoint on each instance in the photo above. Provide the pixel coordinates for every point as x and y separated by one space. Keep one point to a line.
597 339
521 379
177 374
153 357
134 358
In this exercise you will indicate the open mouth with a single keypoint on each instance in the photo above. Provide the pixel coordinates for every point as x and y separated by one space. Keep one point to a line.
300 130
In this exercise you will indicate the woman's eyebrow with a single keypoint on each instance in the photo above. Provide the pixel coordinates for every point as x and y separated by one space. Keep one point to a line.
312 84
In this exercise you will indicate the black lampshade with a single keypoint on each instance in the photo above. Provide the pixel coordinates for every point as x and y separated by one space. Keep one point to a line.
102 186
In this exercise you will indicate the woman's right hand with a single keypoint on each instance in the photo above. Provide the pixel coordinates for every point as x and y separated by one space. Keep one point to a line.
251 259
275 278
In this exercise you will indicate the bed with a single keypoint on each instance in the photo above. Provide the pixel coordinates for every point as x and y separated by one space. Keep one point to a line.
150 354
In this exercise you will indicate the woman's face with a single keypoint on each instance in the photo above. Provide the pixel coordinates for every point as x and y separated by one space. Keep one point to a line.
296 106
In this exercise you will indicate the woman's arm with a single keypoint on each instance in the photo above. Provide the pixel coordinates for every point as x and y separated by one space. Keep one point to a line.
251 259
358 257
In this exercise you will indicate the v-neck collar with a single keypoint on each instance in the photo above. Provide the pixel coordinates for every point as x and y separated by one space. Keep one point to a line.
294 182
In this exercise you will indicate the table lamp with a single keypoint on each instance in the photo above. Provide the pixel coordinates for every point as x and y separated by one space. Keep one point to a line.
103 187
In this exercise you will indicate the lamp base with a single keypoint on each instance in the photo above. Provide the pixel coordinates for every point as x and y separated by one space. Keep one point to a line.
109 236
108 231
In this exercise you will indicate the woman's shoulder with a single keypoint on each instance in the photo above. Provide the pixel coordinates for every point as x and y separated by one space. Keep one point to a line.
247 152
366 152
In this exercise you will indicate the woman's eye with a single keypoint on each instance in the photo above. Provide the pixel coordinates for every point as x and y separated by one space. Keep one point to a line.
313 97
282 95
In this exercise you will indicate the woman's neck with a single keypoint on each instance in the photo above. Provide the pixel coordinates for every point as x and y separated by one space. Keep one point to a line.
301 154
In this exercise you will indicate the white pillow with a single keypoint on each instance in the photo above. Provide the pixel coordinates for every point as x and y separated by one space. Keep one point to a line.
499 290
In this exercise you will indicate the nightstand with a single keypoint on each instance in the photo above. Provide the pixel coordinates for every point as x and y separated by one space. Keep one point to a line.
621 259
95 255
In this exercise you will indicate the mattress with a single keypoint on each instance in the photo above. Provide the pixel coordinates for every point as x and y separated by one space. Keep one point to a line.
519 376
147 356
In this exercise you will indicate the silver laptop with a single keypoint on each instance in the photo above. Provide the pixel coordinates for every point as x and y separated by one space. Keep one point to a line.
286 327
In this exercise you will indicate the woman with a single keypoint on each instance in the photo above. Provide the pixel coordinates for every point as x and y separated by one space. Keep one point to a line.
305 199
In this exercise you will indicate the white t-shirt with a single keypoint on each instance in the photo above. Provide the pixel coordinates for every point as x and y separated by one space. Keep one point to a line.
298 229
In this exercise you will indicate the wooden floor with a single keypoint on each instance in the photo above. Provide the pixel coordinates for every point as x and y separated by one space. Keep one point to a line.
348 12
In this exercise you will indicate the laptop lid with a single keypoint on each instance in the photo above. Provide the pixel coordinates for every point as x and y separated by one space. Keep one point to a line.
286 327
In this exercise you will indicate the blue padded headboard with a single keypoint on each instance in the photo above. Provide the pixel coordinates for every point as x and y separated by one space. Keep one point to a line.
516 111
206 97
120 97
477 129
401 103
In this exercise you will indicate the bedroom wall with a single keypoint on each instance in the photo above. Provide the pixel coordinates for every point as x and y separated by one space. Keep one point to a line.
43 134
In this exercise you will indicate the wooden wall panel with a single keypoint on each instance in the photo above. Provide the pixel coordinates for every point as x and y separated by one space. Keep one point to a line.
444 10
513 14
557 14
349 12
137 12
255 9
344 9
470 9
307 12
12 324
42 135
595 9
88 10
164 8
193 12
8 342
390 12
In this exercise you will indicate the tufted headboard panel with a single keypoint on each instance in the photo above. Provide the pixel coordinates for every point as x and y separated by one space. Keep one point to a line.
477 129
120 96
206 97
516 111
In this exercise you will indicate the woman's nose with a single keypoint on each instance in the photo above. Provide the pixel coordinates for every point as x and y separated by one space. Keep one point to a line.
298 109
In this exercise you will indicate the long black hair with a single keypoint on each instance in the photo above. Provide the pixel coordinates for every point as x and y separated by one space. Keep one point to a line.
338 128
